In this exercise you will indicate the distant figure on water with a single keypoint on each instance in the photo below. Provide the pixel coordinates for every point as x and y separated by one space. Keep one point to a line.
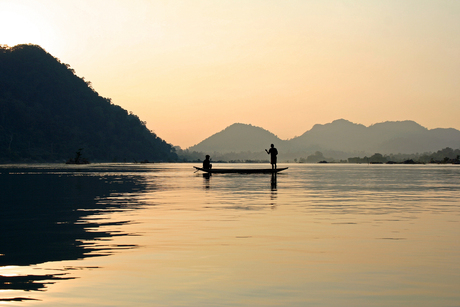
272 152
207 163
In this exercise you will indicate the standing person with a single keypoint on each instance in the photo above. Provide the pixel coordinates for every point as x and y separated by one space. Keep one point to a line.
272 152
207 162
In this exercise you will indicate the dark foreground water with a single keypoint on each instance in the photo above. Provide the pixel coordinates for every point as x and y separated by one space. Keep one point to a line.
163 235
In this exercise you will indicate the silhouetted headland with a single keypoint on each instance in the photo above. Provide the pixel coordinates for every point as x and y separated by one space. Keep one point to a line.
48 112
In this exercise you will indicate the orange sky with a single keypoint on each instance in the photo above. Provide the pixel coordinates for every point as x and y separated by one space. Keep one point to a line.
192 68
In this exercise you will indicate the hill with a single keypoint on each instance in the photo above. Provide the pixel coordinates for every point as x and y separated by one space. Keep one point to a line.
47 113
238 138
387 137
339 140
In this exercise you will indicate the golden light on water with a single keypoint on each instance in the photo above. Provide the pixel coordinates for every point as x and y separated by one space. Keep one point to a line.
330 235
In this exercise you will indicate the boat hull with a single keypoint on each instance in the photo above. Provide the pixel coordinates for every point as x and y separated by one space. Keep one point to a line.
241 170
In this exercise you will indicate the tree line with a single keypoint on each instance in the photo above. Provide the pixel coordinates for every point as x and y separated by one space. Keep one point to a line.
446 155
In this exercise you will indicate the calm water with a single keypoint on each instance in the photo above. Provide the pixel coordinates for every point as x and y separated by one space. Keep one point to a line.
163 235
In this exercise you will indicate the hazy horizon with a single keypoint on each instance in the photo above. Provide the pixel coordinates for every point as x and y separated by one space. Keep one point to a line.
300 134
191 69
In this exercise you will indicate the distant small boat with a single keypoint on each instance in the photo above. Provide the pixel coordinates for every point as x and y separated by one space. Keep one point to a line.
78 158
241 170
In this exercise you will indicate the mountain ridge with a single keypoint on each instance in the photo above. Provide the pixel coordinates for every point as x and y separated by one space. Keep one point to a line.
340 137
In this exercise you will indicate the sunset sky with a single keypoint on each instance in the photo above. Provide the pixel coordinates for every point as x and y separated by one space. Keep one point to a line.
192 68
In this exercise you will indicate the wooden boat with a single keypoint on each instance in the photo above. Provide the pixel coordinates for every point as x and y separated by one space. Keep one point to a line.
241 170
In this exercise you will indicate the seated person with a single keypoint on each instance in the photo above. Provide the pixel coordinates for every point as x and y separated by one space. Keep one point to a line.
207 163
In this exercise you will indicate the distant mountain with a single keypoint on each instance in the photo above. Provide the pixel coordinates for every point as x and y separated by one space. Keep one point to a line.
338 135
238 138
339 139
385 138
47 113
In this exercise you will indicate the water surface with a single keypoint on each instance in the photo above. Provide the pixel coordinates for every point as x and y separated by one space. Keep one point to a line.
164 235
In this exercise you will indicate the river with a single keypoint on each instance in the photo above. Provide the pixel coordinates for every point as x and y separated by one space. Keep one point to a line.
165 235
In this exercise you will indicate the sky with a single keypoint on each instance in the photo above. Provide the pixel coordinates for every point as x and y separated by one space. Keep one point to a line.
192 68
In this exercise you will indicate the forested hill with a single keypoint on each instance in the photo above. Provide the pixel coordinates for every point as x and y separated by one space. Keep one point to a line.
47 113
238 138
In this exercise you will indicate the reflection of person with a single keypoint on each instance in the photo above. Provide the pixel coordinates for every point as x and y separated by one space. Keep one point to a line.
207 163
273 182
272 152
